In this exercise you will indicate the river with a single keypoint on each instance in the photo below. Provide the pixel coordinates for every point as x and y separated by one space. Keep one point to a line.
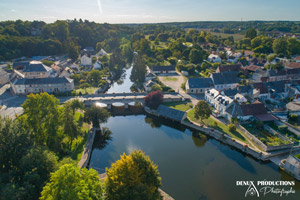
191 168
123 84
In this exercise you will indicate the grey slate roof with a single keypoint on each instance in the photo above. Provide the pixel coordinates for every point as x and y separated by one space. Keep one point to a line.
230 92
164 68
225 78
171 113
33 81
36 67
200 83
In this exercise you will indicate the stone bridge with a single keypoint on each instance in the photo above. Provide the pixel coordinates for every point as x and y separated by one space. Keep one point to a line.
123 99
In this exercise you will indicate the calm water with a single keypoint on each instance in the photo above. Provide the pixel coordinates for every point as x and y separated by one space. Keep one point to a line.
191 168
123 84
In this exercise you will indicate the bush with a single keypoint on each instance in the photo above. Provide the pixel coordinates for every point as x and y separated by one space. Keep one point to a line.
263 140
293 117
283 128
231 127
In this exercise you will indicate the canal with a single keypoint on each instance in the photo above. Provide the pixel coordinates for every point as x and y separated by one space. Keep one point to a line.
191 168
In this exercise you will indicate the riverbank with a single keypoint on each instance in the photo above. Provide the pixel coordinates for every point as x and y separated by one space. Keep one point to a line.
226 139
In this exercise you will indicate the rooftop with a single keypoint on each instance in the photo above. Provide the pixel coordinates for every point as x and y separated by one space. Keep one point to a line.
34 81
36 66
200 82
171 113
225 78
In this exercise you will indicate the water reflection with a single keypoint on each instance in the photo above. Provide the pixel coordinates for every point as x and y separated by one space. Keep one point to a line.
199 139
102 138
123 84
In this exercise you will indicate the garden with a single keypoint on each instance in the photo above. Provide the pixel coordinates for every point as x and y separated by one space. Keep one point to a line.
257 129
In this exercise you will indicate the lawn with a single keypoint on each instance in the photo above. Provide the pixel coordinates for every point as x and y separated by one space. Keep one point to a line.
174 79
236 36
179 105
90 90
219 126
79 143
297 156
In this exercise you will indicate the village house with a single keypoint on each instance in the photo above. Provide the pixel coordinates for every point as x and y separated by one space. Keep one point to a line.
198 85
226 80
148 85
34 69
214 58
259 91
218 101
97 65
245 112
37 85
293 65
86 60
164 69
240 98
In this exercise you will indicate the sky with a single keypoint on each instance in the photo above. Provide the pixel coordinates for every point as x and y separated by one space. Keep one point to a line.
150 11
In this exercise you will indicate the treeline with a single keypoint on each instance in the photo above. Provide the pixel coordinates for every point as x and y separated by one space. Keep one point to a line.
25 38
241 27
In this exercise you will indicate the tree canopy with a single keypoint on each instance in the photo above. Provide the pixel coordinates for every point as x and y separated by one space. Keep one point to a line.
134 176
202 110
70 182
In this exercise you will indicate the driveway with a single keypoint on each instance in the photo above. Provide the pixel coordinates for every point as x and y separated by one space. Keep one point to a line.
173 81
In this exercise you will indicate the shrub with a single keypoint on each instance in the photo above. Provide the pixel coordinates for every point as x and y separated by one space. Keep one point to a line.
293 117
283 128
231 127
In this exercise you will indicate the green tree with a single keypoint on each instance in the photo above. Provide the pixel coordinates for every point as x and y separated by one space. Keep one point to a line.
76 104
42 119
196 56
70 126
280 46
251 33
96 115
202 110
144 178
156 87
70 182
139 69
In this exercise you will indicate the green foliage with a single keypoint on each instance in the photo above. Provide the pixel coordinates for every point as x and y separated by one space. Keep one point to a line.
283 128
139 70
96 115
144 178
196 56
42 119
202 110
280 46
25 167
293 117
251 33
47 62
231 127
156 87
70 182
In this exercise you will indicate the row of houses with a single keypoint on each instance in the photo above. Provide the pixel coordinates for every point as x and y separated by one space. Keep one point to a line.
236 107
219 81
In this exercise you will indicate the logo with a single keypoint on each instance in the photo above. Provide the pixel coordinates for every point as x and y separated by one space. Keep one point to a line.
263 188
252 191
